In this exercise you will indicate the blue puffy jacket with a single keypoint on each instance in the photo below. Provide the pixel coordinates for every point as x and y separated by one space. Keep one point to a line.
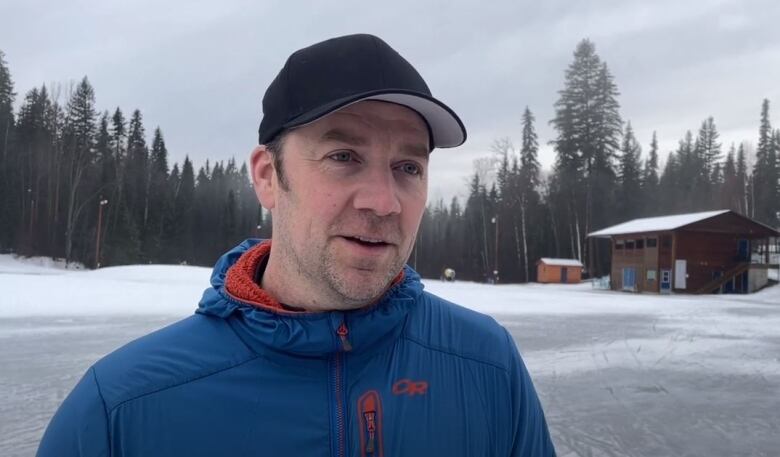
412 375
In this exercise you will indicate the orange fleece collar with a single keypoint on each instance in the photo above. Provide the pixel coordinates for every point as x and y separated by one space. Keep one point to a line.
240 280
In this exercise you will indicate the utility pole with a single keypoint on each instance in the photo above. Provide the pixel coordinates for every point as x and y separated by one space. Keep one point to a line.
32 213
495 266
102 203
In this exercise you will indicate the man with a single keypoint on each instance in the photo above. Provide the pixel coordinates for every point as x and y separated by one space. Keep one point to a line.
321 342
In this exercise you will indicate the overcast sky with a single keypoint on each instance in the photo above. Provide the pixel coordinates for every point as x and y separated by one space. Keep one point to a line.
199 69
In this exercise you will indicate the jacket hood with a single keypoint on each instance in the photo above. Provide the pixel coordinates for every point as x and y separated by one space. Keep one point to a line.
313 334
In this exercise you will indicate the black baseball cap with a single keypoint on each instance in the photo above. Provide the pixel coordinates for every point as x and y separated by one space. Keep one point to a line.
332 74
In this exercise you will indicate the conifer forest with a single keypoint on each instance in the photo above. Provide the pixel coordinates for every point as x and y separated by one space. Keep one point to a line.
96 187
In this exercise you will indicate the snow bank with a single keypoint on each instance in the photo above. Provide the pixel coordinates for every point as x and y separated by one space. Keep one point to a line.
11 263
37 289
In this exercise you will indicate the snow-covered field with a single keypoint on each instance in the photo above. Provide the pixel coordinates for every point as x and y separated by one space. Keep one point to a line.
618 374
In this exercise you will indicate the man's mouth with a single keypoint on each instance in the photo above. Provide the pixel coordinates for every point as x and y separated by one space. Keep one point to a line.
367 241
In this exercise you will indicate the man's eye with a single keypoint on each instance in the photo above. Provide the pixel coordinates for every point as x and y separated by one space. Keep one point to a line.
341 156
411 168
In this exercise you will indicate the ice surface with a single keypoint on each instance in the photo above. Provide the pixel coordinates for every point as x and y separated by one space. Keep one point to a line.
618 373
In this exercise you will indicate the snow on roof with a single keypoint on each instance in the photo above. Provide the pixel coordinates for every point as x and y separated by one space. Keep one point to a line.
561 262
656 224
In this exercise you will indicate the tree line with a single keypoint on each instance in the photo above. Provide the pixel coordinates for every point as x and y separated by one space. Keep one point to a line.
75 181
86 186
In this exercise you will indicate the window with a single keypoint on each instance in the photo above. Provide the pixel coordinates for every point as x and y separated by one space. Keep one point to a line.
652 242
618 244
666 241
629 244
640 244
651 275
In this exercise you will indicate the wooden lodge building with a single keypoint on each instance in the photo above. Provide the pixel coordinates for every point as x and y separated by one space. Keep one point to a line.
564 271
708 252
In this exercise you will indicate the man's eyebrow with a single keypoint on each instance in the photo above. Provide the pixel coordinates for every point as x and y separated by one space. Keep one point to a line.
343 136
418 150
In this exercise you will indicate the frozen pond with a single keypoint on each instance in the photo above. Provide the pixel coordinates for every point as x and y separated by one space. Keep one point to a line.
606 387
605 395
43 358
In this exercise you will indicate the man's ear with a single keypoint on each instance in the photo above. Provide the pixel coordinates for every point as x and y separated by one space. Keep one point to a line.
264 176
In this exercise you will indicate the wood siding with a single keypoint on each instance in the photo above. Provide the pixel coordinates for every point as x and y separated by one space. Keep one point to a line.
706 253
552 273
643 260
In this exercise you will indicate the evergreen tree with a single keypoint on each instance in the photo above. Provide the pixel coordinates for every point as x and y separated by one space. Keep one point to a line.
707 154
7 124
709 148
630 175
742 178
31 149
476 265
119 149
589 127
159 199
766 173
79 133
669 185
528 196
689 168
529 162
250 209
7 97
729 193
50 141
180 228
650 179
136 176
106 169
105 152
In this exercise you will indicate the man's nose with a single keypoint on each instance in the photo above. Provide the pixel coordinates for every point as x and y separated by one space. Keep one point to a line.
378 192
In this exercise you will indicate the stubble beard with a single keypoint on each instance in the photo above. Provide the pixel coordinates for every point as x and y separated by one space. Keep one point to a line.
325 273
359 290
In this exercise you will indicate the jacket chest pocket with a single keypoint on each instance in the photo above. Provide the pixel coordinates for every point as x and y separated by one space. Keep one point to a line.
370 424
397 423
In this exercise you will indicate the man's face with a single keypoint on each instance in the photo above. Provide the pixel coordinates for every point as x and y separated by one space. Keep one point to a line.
357 187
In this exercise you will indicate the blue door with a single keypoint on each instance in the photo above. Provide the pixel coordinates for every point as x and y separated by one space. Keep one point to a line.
629 278
564 275
666 281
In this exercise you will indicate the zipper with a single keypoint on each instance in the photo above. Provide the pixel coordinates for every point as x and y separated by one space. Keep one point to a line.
338 375
370 420
370 417
343 333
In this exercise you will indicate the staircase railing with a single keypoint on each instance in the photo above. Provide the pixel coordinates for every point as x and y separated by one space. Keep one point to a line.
727 276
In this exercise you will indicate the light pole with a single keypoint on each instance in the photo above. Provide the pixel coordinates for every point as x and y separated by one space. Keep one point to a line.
32 212
102 203
495 267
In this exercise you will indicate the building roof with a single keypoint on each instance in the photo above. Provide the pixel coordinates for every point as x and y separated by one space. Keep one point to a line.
656 224
561 262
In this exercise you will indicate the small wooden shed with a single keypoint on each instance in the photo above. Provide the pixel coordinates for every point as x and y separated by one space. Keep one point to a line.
564 271
708 252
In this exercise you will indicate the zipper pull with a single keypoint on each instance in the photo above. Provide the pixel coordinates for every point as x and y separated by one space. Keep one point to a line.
369 416
343 331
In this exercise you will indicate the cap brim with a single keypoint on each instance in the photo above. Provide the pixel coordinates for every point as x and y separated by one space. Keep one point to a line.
446 127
